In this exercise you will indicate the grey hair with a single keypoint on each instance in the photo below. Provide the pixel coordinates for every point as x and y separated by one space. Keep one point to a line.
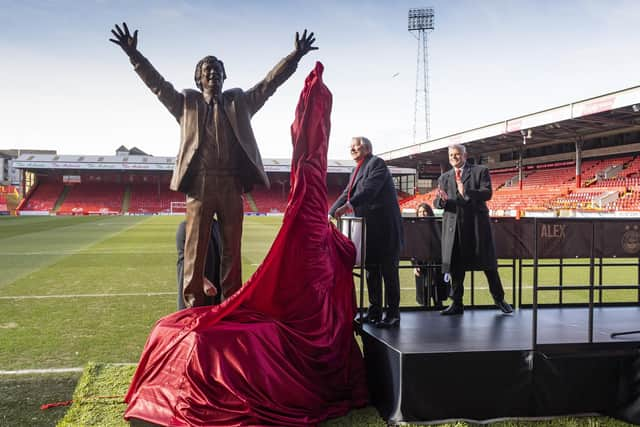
461 148
365 141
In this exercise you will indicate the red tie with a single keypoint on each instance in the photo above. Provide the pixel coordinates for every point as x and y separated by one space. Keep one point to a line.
353 178
459 181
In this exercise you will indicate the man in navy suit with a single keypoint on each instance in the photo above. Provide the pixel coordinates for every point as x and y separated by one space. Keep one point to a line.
467 241
371 194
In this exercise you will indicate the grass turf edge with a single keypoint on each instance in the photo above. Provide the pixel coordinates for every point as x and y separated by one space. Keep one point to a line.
98 401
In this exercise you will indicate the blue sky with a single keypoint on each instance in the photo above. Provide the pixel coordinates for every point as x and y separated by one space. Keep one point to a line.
65 87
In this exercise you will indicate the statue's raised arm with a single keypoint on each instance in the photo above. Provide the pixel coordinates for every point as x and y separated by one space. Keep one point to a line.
124 39
305 44
171 98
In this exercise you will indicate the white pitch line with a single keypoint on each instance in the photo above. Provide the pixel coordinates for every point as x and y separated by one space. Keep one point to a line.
477 287
41 371
148 294
54 370
87 252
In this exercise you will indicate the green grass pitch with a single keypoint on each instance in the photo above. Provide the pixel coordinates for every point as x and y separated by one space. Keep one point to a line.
87 290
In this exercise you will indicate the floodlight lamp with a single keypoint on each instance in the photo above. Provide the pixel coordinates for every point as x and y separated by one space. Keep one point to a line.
636 108
421 19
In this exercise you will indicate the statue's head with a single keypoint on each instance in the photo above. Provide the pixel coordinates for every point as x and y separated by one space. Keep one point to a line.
210 74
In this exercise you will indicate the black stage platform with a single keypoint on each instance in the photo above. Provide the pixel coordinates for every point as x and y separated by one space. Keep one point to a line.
484 365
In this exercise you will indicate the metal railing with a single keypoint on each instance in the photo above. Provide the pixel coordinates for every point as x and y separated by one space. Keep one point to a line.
523 243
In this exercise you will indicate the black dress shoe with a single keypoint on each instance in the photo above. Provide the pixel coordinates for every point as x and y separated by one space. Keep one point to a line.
454 309
372 317
504 306
388 322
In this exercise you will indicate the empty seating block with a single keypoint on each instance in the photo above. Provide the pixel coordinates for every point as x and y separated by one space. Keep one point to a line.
43 197
93 198
152 198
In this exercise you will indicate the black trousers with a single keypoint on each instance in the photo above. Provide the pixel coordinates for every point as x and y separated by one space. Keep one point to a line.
457 285
458 270
387 269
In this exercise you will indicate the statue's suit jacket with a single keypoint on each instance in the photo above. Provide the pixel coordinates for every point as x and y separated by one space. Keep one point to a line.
467 216
189 108
374 197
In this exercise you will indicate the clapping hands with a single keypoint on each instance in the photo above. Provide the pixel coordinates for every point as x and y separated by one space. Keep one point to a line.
442 194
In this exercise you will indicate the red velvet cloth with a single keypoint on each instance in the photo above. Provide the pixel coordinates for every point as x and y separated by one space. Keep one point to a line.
281 351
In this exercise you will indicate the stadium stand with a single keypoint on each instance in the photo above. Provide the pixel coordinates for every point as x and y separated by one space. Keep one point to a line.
4 210
541 185
553 174
629 202
152 198
611 184
137 183
272 200
587 198
513 198
248 205
632 170
43 197
413 202
504 177
93 198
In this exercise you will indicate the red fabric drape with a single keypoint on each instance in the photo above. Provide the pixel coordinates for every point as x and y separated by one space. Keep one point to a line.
281 351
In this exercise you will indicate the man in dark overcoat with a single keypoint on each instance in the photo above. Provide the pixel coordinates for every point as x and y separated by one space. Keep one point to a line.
218 158
467 240
371 194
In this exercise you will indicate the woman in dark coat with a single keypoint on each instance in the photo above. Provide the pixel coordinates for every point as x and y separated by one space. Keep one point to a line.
429 280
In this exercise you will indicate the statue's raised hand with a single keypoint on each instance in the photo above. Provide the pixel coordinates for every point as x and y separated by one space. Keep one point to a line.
305 44
124 39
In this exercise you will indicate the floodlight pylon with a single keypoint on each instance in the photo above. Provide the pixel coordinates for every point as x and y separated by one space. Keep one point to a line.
420 23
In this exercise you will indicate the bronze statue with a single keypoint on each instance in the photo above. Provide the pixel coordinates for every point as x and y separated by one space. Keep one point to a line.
218 158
